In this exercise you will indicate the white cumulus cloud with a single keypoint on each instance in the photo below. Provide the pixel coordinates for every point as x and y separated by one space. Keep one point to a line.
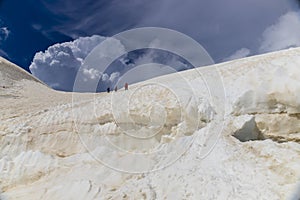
59 64
283 34
92 73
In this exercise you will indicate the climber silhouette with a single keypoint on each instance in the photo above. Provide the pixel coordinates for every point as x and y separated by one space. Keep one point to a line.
116 88
108 90
126 86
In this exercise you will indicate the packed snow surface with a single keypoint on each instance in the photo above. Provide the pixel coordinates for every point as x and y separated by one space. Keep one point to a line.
228 131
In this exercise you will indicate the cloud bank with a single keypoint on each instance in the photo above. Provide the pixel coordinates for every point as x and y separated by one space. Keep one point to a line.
58 65
283 34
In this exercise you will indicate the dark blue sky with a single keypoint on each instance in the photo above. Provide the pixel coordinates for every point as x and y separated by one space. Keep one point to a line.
222 27
24 40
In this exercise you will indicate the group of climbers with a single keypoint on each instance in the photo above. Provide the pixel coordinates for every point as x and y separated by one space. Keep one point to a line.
116 88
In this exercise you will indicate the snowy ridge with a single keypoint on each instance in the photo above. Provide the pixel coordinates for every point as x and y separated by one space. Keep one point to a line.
56 145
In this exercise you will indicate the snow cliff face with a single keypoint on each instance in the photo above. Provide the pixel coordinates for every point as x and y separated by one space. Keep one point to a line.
229 131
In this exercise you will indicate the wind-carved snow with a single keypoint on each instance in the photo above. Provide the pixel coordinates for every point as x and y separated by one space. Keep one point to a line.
172 137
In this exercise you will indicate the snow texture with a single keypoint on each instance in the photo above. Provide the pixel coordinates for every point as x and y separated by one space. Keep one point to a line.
179 136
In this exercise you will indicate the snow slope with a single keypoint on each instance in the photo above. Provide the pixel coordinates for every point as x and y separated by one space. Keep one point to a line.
228 131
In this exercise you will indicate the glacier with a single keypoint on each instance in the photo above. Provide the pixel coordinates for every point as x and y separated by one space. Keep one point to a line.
227 131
